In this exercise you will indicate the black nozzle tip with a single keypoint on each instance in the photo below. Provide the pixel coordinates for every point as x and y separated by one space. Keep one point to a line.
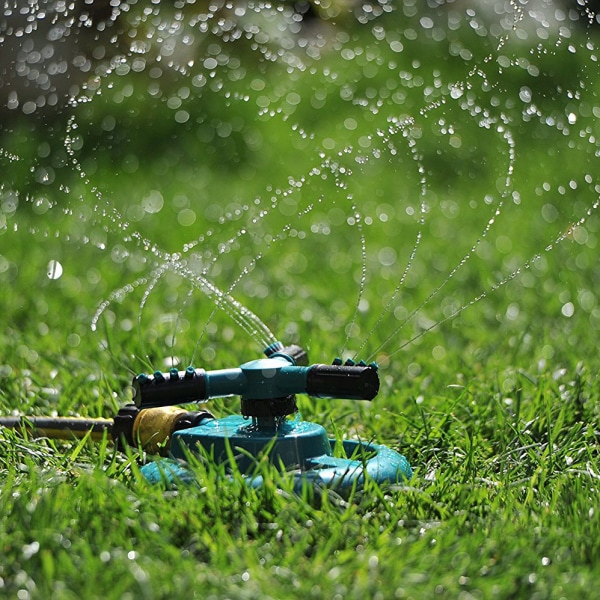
352 382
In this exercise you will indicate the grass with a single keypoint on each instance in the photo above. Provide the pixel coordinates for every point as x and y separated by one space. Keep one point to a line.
496 409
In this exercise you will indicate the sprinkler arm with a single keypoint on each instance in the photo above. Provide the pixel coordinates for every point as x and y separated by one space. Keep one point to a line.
271 378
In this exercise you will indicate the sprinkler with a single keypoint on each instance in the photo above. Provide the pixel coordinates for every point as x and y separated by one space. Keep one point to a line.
267 388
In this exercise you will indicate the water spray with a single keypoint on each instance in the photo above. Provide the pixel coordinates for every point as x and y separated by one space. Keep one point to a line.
267 388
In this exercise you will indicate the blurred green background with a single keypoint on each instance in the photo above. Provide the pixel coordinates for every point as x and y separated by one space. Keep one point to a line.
264 132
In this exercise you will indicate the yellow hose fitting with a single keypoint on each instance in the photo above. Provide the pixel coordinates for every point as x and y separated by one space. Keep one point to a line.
153 427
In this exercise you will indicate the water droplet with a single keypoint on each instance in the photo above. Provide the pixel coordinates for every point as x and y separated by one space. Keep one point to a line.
54 270
568 309
525 94
456 92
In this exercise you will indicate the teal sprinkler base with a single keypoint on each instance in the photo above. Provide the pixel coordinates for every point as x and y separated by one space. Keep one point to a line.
299 446
267 388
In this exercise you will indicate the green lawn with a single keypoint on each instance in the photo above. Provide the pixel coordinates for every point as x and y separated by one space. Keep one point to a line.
304 190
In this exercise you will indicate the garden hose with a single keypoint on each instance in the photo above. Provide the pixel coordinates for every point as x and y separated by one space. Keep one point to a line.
60 428
151 429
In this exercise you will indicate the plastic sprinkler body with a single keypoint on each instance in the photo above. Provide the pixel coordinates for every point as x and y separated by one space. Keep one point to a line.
268 388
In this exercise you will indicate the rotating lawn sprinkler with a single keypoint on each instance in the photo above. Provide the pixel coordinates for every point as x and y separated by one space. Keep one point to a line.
268 388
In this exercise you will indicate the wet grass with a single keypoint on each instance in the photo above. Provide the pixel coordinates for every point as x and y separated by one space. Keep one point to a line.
497 410
503 501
